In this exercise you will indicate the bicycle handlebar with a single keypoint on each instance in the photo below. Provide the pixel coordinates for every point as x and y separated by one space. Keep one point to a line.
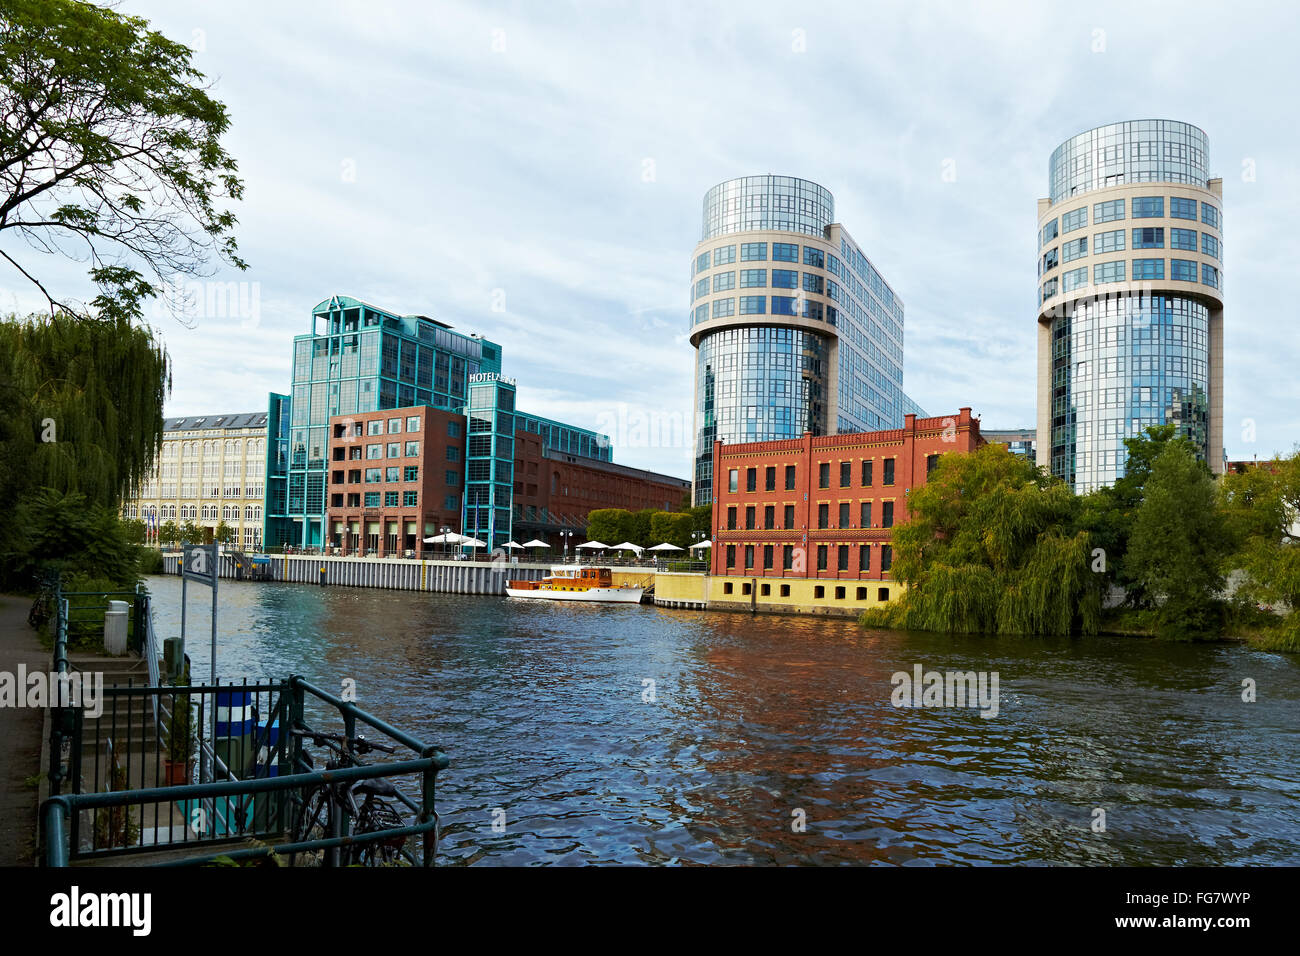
357 744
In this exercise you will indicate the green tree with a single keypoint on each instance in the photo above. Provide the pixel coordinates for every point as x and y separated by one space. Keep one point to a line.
169 534
1261 509
639 527
63 532
109 145
225 533
191 533
135 530
1176 546
609 525
672 527
990 546
702 519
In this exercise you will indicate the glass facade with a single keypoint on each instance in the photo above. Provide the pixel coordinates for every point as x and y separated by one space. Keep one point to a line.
1119 365
765 381
1139 151
489 462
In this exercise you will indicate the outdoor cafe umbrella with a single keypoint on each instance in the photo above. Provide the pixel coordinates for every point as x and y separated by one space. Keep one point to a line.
473 543
594 545
628 546
666 546
702 544
535 544
511 544
451 537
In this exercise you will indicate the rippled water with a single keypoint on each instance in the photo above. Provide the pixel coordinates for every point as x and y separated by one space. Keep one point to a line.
540 709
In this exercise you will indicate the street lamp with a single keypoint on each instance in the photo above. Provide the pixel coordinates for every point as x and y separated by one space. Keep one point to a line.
564 537
445 531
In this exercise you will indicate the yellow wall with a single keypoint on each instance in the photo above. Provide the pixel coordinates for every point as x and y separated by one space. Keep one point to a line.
802 598
680 587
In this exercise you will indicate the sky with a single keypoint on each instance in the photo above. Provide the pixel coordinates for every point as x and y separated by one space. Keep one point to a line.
535 173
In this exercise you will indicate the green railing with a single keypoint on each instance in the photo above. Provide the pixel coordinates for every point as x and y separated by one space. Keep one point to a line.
223 808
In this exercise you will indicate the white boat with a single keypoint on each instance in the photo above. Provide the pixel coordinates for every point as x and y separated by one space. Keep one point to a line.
576 584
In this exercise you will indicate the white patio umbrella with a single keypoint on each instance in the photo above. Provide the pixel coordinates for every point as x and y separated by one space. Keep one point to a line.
702 544
628 546
594 545
666 546
511 544
535 543
451 537
473 543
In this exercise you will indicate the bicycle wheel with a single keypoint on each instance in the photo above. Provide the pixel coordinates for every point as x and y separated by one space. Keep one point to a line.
378 815
313 824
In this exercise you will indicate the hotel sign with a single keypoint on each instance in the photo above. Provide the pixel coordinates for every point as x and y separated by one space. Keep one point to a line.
478 377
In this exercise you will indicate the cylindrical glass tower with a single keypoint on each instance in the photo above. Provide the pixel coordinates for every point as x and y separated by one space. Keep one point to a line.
1129 298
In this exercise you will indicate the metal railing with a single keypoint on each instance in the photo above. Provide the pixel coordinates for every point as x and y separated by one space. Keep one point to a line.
240 794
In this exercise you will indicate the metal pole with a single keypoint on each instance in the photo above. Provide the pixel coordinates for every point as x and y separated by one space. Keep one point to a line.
212 664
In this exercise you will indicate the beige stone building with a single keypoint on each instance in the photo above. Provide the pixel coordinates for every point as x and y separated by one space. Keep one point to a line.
212 469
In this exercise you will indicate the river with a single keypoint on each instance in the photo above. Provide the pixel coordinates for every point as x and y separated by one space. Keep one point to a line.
773 740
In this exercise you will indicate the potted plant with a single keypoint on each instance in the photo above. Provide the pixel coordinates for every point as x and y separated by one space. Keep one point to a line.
180 737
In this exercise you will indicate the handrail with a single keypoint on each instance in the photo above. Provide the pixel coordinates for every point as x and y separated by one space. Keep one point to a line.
423 749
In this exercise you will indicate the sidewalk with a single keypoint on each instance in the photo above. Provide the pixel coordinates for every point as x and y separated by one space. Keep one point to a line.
20 736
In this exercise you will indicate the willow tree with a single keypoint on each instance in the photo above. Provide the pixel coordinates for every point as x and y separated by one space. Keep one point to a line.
990 547
110 153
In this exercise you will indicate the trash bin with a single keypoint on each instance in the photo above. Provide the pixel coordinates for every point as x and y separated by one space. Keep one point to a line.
115 628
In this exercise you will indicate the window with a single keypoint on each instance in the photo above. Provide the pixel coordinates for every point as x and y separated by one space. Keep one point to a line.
390 499
411 473
394 426
392 474
375 427
846 474
1148 269
1051 258
1049 232
886 559
749 518
453 453
785 252
1209 275
789 477
931 463
1210 245
769 478
1148 238
864 558
1182 239
819 591
1108 272
372 499
753 279
731 556
751 479
824 475
724 281
889 471
1182 270
789 517
452 478
813 283
887 514
1074 249
702 288
1112 241
374 451
823 515
1107 211
753 251
785 590
1075 219
413 423
842 560
862 594
733 480
814 257
749 561
1148 207
451 503
844 514
412 449
731 518
839 592
410 498
394 450
866 514
785 279
1050 288
453 429
767 564
787 560
1210 215
373 476
1182 208
723 308
727 586
753 304
783 305
866 474
821 557
701 262
723 255
882 594
1074 279
769 516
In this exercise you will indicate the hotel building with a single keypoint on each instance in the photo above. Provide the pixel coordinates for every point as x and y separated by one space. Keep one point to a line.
795 330
211 469
1130 297
806 524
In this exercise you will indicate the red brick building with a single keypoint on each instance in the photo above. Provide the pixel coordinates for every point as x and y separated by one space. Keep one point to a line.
396 477
555 491
824 508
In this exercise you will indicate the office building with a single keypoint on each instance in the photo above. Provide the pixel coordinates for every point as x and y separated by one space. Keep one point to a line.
1019 441
795 329
211 469
1129 298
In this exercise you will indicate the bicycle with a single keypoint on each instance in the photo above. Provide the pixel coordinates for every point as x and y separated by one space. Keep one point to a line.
326 808
42 607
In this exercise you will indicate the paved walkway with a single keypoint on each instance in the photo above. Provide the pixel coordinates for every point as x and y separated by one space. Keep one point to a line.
20 737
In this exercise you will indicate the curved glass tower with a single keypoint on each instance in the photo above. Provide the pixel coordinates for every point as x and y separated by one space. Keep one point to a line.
794 328
1129 298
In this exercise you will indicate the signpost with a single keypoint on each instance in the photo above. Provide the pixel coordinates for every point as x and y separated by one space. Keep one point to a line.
199 563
